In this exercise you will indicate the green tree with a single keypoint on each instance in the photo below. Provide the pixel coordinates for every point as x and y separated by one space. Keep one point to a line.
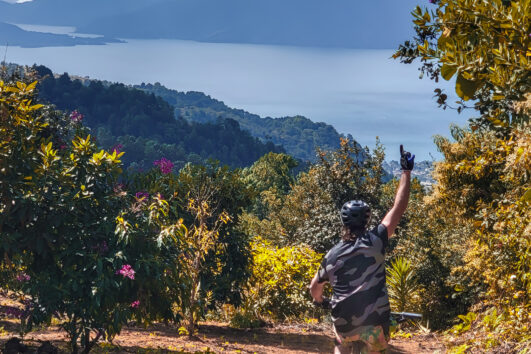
212 233
225 192
310 212
271 178
486 45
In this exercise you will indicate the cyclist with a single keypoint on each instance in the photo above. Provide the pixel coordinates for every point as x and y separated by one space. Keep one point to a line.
355 270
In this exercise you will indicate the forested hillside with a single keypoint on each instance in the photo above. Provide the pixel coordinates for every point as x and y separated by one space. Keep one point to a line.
144 125
298 135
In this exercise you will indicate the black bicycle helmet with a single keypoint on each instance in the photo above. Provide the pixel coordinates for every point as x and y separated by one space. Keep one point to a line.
355 213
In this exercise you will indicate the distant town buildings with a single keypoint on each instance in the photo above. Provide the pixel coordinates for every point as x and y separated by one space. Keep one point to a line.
422 171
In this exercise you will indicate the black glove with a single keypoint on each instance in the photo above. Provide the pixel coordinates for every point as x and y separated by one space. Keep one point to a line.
407 161
325 304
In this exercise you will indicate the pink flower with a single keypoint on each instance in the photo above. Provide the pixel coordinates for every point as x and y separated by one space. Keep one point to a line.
165 165
23 277
127 272
117 148
141 196
76 117
135 304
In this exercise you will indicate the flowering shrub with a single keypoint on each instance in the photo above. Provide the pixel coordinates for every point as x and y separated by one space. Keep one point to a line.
127 272
68 224
165 165
76 117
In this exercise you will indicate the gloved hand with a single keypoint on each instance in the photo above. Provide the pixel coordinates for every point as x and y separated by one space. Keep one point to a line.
325 304
407 161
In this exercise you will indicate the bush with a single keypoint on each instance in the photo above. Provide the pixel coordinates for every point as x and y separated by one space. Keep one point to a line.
245 320
278 287
402 286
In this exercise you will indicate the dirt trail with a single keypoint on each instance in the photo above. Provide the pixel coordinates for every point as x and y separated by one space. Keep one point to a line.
219 338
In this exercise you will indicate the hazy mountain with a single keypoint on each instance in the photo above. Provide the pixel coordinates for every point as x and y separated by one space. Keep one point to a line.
338 23
66 12
14 36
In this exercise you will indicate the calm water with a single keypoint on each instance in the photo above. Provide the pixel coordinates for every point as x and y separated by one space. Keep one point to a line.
361 92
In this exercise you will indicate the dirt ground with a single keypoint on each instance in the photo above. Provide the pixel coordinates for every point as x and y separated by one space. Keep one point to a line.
215 337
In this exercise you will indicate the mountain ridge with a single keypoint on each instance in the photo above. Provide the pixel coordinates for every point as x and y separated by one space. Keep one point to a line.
299 135
342 23
15 36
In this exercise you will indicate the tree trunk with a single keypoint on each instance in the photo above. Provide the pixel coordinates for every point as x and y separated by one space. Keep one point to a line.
193 300
90 344
191 321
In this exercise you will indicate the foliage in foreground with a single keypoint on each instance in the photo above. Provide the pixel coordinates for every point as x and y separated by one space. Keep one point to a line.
483 193
485 44
402 285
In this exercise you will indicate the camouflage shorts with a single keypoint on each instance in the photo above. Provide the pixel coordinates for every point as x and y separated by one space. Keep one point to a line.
372 340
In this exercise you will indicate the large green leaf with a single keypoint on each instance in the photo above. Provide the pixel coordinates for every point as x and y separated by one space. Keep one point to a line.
466 89
447 71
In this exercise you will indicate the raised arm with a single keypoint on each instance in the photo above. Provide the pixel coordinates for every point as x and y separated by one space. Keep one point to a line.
402 194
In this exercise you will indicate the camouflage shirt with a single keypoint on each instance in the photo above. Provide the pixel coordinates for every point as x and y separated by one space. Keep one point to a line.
356 271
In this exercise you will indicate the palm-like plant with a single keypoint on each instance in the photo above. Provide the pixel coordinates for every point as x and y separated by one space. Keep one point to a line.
402 287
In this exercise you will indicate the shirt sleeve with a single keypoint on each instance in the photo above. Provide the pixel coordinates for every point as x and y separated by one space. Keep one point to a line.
322 275
381 232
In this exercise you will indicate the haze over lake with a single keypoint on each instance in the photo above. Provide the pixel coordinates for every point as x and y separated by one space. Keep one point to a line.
360 92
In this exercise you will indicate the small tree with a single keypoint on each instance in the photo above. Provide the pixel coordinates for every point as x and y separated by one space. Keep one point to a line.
212 257
200 239
403 288
310 212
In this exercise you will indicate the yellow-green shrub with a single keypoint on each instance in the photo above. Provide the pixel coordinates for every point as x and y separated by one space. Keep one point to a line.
278 286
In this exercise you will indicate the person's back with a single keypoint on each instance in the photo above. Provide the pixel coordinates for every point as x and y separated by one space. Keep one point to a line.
356 272
355 269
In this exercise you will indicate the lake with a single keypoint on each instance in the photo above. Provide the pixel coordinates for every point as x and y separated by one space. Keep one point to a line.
361 92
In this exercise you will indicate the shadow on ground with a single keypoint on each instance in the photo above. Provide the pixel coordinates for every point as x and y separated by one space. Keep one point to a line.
214 338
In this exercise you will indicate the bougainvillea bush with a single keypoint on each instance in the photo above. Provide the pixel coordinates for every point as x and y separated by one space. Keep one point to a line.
92 255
